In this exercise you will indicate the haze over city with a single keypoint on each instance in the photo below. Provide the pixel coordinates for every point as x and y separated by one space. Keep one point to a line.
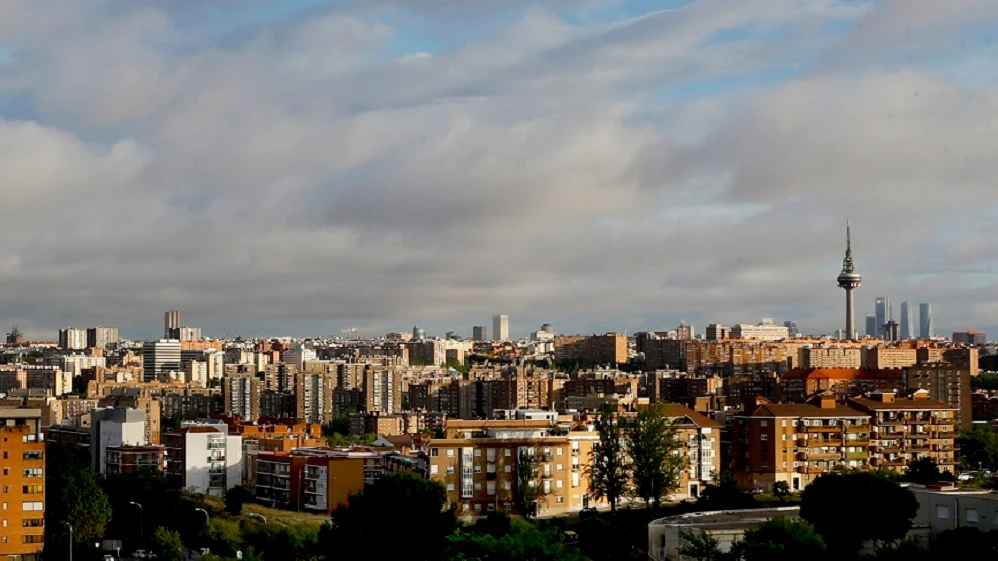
299 167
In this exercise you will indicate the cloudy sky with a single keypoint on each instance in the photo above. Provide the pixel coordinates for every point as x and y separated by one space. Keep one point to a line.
297 167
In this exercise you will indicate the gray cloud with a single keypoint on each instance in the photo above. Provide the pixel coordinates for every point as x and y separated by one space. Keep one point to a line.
301 179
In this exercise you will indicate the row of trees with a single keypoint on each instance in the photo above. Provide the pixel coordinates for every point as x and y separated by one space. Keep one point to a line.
639 456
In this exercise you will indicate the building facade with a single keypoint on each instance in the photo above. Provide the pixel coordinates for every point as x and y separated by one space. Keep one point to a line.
160 359
500 327
23 532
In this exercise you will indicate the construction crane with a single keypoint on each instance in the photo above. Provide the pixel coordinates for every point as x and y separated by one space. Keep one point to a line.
356 331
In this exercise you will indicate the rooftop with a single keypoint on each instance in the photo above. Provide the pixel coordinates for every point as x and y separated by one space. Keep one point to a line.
727 519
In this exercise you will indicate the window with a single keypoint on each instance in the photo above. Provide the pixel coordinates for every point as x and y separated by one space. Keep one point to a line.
450 470
764 423
490 487
478 452
558 451
30 539
478 486
30 522
784 437
478 469
4 523
478 507
765 464
559 484
433 469
30 455
450 452
507 469
764 437
972 515
560 499
32 472
31 489
783 423
450 486
434 452
509 452
560 467
784 464
942 512
29 506
465 507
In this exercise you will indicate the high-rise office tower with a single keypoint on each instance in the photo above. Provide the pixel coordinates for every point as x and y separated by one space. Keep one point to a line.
850 280
906 324
792 328
171 323
479 333
883 310
418 333
871 325
159 358
72 339
500 327
925 329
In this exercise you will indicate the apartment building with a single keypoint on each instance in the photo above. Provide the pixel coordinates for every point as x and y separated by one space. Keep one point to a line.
799 384
317 479
946 383
241 396
102 337
965 357
765 331
22 536
114 426
382 390
75 364
609 348
150 407
797 442
889 357
702 439
72 338
160 359
128 459
205 456
477 462
905 429
54 381
830 357
313 396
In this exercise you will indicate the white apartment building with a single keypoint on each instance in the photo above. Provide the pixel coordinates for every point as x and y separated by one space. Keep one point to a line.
208 459
73 339
500 327
298 354
75 364
765 331
114 426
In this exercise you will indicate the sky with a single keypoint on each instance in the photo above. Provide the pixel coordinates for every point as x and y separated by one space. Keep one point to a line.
298 167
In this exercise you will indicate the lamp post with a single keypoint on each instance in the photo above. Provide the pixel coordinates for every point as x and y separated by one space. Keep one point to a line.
207 519
255 515
70 540
141 516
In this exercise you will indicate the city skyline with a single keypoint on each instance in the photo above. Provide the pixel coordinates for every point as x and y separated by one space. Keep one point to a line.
301 168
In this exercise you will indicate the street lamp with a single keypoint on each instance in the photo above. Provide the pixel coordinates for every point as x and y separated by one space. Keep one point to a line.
141 514
255 515
70 540
207 519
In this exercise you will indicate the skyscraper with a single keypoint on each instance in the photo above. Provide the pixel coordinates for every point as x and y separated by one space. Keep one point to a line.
871 325
72 339
479 333
171 322
925 330
884 313
500 327
850 280
906 324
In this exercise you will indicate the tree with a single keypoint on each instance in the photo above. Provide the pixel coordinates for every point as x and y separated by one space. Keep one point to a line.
908 549
979 448
724 494
886 518
296 542
609 468
526 491
781 489
782 539
970 542
700 546
524 543
412 506
496 523
654 446
924 471
73 496
167 544
223 537
235 498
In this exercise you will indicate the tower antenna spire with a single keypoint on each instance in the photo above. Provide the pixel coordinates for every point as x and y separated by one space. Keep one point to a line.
848 237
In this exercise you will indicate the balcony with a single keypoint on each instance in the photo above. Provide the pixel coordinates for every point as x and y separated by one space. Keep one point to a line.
857 455
823 428
857 428
824 456
892 449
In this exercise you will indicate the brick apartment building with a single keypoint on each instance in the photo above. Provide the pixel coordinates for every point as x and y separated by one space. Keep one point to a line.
23 480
